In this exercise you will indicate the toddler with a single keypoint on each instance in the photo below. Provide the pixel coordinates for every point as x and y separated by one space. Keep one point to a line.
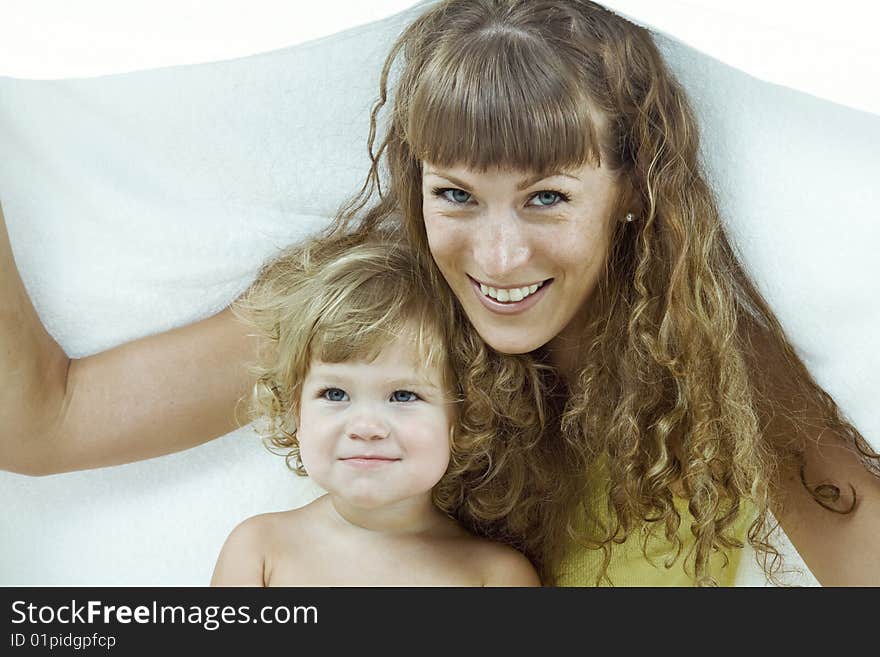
355 384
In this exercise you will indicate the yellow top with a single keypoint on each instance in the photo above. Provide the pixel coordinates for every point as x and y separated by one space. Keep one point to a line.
628 565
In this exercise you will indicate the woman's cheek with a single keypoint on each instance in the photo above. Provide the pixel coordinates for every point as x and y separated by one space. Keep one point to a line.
445 238
437 238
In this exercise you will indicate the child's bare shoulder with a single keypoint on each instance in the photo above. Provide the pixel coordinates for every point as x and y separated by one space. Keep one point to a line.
253 546
260 530
278 530
502 565
242 558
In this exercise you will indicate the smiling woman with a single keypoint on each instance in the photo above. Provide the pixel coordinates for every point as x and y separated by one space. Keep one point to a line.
523 256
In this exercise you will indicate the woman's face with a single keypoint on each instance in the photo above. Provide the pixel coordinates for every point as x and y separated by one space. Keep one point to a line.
522 252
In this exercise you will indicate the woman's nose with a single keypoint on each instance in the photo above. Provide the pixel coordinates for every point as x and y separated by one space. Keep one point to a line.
367 424
500 246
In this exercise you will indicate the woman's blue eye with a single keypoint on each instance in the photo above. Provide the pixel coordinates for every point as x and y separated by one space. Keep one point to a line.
548 198
403 396
458 196
335 395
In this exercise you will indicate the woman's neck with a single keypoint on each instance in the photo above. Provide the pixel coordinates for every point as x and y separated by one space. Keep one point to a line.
566 350
565 356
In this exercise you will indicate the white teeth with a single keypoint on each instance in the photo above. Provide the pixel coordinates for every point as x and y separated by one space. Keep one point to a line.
511 294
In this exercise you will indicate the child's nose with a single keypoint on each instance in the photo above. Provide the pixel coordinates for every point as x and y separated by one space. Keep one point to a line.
367 425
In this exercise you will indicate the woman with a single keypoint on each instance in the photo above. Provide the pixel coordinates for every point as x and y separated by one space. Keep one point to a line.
544 163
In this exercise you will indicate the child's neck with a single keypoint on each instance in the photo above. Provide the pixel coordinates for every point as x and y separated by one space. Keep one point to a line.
411 516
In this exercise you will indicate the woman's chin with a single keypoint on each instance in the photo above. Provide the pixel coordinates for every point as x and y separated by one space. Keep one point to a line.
512 342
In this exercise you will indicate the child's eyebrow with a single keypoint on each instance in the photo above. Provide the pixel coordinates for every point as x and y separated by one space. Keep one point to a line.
412 383
326 381
318 376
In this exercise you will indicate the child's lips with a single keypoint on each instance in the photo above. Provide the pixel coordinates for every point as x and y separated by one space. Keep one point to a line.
369 461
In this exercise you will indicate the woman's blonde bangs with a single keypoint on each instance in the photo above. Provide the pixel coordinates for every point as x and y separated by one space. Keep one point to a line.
500 100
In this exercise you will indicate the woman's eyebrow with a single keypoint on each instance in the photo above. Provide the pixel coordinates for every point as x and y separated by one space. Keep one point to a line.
449 178
528 182
523 184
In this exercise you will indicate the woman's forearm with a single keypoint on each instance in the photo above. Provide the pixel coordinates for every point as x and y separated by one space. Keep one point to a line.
149 397
157 395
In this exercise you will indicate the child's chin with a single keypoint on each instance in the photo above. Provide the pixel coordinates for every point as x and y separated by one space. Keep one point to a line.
368 501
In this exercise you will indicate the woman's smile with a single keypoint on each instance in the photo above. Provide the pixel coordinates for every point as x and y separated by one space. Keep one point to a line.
510 300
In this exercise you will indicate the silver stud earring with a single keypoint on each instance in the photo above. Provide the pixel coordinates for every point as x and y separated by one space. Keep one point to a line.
629 218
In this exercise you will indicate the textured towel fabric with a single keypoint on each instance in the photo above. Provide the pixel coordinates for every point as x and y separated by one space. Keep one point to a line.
144 201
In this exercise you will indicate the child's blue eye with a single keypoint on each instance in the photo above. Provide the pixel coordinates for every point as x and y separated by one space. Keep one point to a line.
404 396
335 395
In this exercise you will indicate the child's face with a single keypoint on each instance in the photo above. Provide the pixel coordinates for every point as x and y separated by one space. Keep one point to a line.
375 433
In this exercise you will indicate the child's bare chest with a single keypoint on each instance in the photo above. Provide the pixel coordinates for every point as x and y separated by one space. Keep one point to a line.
400 564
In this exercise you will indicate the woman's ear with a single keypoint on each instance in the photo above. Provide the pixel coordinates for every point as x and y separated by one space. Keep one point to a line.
630 205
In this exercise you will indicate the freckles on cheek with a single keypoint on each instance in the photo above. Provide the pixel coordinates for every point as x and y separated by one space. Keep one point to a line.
445 237
584 244
438 237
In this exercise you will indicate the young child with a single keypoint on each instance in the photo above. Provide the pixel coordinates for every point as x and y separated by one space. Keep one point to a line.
356 383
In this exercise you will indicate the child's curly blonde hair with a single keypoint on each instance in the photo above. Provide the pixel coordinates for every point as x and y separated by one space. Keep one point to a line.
334 301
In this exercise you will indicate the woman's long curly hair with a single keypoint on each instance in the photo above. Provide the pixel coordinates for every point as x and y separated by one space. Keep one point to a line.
671 398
